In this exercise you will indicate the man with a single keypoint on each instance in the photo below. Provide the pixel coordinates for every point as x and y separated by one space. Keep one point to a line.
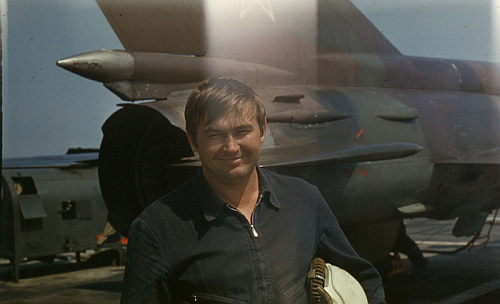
234 233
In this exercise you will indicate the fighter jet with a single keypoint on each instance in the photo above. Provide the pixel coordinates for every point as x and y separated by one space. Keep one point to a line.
383 135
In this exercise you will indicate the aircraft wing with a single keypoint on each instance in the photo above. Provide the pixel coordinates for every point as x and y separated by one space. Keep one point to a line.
301 155
324 152
174 27
189 27
170 45
59 161
488 157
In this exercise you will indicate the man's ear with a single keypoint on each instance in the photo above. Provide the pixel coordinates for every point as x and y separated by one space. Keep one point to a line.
263 135
192 143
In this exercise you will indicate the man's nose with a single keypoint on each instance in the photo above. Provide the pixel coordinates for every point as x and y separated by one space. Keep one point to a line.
231 144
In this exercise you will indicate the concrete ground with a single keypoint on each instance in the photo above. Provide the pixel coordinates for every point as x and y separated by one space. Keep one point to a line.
72 285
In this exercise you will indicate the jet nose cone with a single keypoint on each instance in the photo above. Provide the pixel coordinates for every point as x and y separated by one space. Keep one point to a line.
104 65
67 64
83 65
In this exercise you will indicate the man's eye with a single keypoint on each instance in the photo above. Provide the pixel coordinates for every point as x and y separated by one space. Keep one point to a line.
243 132
214 135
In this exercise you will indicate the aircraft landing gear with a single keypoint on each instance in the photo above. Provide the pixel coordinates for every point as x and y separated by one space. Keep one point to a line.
404 244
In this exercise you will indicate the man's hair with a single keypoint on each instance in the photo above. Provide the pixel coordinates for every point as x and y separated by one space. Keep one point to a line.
218 95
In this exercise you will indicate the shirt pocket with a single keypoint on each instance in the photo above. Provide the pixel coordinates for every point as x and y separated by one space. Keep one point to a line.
297 293
202 297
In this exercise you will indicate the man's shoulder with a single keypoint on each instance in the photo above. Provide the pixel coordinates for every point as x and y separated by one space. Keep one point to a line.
284 181
281 179
177 202
291 192
178 210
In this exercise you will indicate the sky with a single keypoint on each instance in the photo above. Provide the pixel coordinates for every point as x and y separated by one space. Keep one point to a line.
47 110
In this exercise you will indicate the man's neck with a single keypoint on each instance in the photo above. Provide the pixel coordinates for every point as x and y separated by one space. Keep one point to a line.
240 194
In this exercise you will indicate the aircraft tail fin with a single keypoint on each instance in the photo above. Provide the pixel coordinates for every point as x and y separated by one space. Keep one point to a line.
342 27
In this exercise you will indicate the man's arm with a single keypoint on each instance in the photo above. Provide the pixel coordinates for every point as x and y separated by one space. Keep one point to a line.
145 269
334 248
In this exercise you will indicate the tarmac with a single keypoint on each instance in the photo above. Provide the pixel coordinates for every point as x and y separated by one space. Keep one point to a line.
471 275
459 273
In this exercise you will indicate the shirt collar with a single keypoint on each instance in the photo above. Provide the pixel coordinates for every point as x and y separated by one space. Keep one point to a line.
212 205
266 188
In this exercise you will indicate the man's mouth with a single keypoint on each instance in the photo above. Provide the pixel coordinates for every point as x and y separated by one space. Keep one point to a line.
232 159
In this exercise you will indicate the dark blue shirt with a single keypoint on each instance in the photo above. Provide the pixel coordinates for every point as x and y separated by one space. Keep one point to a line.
191 246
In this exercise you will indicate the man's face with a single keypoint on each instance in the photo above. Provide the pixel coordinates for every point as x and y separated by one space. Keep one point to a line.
229 147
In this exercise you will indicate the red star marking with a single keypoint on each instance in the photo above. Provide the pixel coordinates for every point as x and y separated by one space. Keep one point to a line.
246 5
